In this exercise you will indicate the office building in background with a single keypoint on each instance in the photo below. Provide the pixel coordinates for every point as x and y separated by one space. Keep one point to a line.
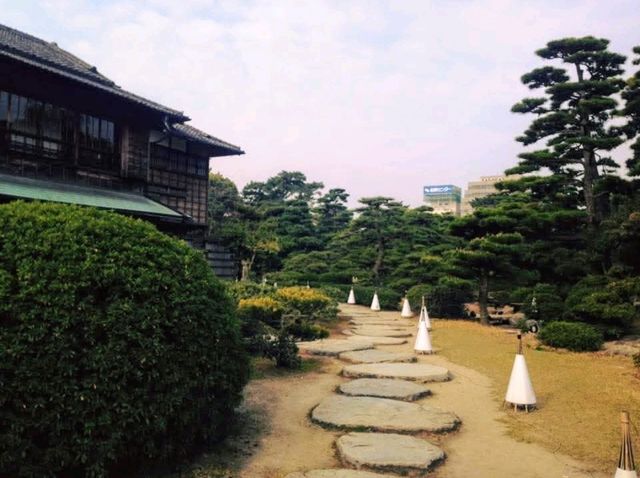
444 198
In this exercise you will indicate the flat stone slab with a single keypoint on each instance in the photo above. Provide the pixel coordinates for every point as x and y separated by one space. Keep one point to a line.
382 415
333 346
417 372
376 321
377 356
388 451
379 340
335 473
382 331
384 388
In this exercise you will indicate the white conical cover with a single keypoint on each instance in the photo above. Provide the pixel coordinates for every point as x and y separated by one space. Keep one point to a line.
424 315
520 390
352 297
423 340
406 309
375 303
620 473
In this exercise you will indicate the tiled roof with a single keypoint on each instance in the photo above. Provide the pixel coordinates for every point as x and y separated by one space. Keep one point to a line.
50 57
193 134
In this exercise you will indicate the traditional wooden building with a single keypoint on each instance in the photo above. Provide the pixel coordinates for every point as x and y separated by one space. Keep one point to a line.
70 134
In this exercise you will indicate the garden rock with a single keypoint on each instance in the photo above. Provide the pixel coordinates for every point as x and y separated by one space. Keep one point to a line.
382 331
384 388
376 356
333 346
419 372
379 340
388 451
335 473
382 414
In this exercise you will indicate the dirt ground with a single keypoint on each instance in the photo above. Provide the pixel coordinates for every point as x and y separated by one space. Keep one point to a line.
288 441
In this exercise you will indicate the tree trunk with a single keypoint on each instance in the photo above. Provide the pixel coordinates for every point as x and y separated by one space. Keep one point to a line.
379 258
588 181
483 297
591 174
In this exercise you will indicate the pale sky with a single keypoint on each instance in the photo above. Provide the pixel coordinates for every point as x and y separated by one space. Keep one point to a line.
377 97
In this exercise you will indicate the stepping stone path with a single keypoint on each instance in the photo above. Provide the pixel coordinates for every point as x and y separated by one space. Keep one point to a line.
335 473
382 414
388 451
382 332
384 388
381 398
333 346
419 372
376 356
379 340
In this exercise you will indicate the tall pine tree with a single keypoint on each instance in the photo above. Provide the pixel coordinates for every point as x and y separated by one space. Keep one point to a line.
573 116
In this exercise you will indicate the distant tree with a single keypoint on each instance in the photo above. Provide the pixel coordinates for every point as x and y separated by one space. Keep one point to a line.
331 212
573 117
631 110
485 259
225 213
260 238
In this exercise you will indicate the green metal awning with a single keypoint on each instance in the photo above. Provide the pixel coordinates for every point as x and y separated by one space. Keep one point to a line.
40 190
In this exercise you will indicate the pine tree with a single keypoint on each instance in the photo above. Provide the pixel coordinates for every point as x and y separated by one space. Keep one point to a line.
631 95
573 116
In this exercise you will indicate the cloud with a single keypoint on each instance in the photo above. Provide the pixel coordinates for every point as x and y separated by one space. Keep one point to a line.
378 97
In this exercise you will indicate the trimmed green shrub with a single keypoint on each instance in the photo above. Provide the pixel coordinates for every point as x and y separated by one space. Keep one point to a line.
284 351
310 303
245 289
334 292
599 301
262 309
118 346
303 330
571 335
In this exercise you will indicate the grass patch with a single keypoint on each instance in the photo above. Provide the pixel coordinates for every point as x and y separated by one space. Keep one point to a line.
264 368
580 395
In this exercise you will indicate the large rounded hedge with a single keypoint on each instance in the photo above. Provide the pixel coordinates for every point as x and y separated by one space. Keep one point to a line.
118 346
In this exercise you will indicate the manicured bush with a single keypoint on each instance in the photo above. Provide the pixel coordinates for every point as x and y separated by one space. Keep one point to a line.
310 303
284 351
571 335
262 309
597 300
245 289
303 330
117 344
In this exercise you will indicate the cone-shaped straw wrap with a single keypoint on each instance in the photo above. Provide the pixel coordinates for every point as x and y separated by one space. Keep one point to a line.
352 297
375 303
626 464
424 314
520 390
423 340
406 308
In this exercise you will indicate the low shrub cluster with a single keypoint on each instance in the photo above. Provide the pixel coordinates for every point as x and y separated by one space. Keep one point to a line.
574 336
118 346
274 318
